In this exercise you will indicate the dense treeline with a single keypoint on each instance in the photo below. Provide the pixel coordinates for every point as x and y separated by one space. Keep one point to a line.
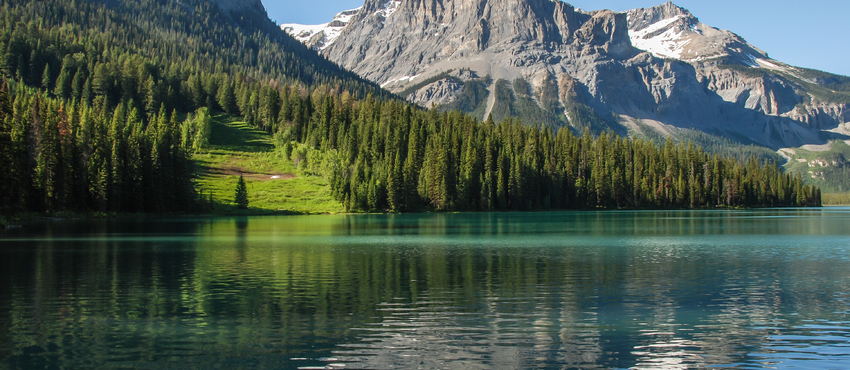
60 156
147 53
93 91
390 156
183 54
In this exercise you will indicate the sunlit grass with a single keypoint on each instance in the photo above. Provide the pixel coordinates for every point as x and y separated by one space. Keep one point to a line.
836 199
274 185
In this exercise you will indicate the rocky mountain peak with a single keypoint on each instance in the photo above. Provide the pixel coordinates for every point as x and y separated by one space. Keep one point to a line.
608 29
418 34
670 31
642 18
650 69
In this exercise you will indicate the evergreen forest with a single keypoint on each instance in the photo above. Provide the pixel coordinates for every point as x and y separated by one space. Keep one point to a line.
103 103
96 95
389 156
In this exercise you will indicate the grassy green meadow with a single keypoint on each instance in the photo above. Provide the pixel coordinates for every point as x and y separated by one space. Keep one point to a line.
274 184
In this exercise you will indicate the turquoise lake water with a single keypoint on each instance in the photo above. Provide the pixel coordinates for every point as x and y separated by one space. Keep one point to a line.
756 289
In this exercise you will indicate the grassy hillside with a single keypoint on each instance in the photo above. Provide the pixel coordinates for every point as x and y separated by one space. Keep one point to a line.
836 199
274 184
827 169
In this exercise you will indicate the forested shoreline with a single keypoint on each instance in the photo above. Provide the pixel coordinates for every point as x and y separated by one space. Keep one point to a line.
390 156
96 108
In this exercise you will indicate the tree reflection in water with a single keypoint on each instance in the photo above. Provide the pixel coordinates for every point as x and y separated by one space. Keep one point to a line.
658 289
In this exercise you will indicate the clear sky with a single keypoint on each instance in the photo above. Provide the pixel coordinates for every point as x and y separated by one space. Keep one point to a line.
812 34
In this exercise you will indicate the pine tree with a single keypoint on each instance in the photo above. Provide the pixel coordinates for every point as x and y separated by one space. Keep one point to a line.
202 129
64 82
227 98
241 198
78 83
45 78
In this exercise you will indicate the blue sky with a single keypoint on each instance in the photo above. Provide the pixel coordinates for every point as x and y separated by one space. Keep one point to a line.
812 34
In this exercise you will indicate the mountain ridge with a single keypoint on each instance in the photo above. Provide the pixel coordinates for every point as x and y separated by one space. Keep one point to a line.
657 55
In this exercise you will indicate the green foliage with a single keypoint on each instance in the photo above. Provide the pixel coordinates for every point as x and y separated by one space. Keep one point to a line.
583 117
825 93
275 184
829 80
93 91
712 144
521 87
241 197
746 70
829 169
188 49
511 102
504 101
548 95
836 199
146 53
379 156
70 156
473 99
283 140
196 130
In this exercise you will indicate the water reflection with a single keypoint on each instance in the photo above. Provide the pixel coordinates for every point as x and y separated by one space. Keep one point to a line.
642 290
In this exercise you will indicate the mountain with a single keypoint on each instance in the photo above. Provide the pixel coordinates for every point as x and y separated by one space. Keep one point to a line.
646 72
669 31
320 36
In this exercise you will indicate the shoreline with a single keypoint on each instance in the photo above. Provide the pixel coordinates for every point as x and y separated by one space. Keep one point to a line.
16 222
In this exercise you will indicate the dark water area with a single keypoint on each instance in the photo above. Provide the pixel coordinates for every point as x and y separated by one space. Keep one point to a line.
756 289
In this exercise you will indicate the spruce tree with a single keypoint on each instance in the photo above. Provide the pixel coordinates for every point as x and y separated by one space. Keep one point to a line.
65 79
241 198
78 84
45 78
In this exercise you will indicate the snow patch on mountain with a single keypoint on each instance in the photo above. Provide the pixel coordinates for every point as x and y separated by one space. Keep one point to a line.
400 79
321 36
303 32
389 8
669 31
661 39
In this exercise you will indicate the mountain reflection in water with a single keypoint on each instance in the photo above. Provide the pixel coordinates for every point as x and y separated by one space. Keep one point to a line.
643 290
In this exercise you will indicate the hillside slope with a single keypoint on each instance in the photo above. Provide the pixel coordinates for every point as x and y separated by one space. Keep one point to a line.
96 97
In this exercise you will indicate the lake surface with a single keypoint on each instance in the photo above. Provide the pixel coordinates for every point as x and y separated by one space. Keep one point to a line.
644 290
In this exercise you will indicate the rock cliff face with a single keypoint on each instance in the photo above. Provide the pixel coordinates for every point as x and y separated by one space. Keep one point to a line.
657 68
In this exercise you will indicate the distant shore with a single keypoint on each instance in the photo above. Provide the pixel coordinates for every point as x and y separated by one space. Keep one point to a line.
7 222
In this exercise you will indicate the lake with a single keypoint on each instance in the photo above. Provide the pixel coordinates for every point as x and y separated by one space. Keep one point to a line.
633 289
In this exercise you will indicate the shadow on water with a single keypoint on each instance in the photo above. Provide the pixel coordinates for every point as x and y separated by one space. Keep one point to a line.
678 289
241 237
